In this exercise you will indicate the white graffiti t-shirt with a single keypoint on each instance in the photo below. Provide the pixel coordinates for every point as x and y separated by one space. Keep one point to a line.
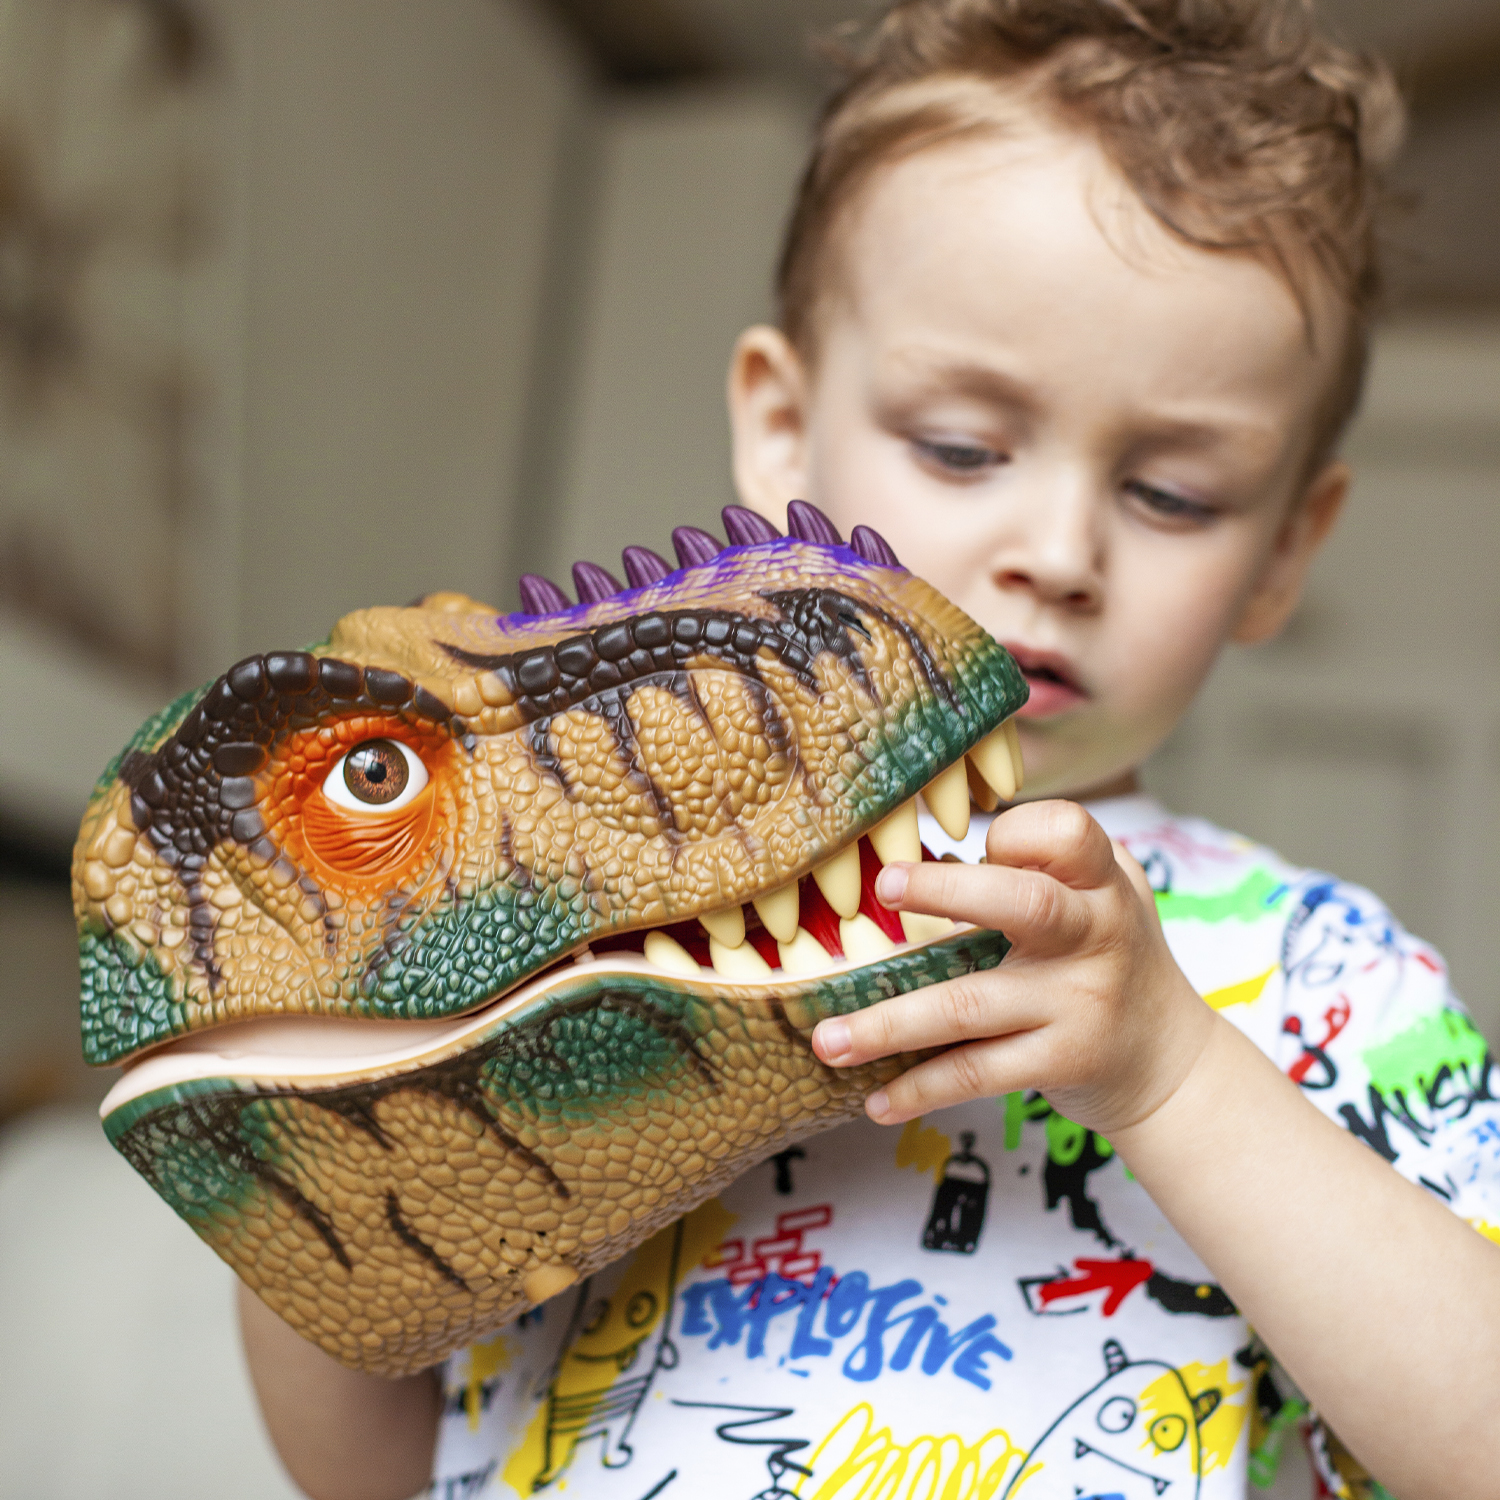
985 1303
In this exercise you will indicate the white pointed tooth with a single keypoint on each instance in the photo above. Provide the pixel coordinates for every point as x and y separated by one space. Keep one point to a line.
1013 739
778 909
948 800
667 953
838 879
727 926
737 963
863 941
896 840
992 759
804 955
920 928
981 793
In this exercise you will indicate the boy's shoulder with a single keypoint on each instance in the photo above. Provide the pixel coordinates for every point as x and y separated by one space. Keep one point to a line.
1245 922
1354 1009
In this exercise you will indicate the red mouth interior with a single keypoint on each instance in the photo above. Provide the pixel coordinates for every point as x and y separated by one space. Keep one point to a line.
816 915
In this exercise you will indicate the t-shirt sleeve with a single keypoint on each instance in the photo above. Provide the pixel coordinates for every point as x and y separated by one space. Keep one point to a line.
1373 1033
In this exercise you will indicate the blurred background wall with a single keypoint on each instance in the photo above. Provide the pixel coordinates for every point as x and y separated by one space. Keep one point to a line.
309 304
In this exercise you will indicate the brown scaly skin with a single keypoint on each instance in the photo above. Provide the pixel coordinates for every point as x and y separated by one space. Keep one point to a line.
361 1065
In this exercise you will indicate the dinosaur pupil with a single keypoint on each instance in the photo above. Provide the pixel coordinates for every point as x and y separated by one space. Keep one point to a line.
376 772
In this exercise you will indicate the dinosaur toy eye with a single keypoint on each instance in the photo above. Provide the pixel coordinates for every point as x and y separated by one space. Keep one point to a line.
377 776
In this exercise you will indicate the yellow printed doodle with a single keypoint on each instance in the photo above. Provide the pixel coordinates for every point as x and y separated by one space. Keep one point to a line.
1168 1403
859 1460
1246 992
610 1362
924 1148
485 1361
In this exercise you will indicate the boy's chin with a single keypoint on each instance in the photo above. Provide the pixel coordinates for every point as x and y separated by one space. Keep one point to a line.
1055 768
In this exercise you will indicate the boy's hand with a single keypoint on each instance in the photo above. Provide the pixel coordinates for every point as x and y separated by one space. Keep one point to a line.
1089 1006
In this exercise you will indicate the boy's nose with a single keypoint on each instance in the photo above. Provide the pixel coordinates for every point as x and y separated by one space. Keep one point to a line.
1056 586
1056 559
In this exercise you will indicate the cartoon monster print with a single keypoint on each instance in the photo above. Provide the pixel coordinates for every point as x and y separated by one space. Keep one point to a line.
606 1339
1135 1435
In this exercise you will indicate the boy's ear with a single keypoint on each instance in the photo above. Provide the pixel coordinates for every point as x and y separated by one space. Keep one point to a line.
768 419
1285 573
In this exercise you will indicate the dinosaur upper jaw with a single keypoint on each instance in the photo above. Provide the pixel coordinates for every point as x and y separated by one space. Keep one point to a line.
811 935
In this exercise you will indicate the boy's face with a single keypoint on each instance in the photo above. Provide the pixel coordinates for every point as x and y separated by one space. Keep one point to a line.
1091 436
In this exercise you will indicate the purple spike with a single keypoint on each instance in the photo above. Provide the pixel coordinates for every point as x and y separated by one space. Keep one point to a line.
745 529
809 523
873 547
643 566
594 584
694 547
540 596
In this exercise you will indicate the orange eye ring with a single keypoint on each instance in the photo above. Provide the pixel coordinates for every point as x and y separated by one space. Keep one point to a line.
360 845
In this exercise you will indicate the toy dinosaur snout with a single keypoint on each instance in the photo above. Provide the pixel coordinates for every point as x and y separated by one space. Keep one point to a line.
453 956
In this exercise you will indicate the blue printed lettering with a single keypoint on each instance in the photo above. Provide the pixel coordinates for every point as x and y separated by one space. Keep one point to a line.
716 1311
865 1362
804 1343
777 1295
970 1363
845 1303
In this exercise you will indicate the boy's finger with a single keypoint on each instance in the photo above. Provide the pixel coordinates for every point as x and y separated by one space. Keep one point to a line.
974 1006
981 1070
1023 904
1057 837
1135 874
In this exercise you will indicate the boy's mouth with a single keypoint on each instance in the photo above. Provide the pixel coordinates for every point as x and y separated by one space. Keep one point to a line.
1054 686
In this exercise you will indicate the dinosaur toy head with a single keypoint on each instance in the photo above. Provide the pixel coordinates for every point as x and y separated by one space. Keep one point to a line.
452 957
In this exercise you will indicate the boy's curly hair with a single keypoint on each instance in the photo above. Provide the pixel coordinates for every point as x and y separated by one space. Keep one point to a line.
1239 125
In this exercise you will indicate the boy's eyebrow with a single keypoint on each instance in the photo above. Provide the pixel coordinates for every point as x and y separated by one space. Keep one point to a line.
965 378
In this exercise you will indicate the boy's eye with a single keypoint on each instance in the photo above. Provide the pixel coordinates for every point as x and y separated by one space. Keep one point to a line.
957 457
1167 504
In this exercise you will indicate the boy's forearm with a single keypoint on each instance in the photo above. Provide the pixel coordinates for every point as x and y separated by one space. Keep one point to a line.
1380 1302
342 1435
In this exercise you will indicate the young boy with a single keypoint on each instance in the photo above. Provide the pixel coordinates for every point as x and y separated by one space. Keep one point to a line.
1073 312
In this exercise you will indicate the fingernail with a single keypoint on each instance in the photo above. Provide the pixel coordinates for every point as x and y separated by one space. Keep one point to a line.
878 1105
833 1040
890 884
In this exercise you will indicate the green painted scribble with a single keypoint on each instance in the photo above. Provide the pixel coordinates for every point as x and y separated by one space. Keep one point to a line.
1257 895
1265 1460
1065 1138
1410 1061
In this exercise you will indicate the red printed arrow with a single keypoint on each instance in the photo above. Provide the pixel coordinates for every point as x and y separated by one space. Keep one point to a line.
1118 1277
